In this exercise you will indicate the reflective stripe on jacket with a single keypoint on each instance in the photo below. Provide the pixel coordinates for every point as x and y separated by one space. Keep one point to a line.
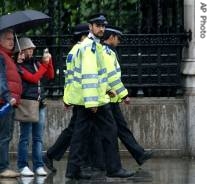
86 79
114 74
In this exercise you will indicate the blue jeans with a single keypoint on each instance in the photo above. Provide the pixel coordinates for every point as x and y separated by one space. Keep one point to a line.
6 132
37 131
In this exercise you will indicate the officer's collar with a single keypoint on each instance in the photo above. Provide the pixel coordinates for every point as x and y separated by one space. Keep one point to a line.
93 37
109 46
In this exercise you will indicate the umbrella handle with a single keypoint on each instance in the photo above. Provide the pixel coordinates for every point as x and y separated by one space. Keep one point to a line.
17 43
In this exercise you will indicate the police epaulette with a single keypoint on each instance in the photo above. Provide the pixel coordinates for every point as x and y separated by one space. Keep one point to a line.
108 50
93 48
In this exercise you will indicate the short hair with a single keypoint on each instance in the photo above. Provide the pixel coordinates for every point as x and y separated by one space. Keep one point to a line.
3 32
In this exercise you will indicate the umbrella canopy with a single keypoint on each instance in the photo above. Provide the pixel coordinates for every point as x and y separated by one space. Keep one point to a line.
23 20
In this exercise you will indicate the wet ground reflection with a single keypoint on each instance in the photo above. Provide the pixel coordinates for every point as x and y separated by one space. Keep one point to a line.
155 171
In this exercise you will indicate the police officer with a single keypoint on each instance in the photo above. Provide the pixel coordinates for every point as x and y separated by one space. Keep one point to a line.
57 150
87 92
111 39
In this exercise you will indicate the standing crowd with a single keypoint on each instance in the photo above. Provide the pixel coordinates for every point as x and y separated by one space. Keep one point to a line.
93 89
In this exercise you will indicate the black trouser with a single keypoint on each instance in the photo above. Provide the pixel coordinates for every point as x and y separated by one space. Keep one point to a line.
125 135
94 159
104 121
96 153
57 150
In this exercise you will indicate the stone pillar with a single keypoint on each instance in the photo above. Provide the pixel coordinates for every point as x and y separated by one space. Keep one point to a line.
188 72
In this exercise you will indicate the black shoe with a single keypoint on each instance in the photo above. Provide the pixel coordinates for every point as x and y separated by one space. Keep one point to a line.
121 173
98 172
97 169
86 169
80 175
49 163
146 156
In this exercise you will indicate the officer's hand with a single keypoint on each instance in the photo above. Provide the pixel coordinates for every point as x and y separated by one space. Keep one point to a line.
13 101
93 109
126 100
67 106
111 93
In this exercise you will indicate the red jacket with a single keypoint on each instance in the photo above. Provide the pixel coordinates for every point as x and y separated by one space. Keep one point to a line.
44 69
13 78
32 89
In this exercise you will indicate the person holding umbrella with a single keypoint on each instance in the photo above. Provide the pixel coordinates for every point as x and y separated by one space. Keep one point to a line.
32 72
10 92
11 85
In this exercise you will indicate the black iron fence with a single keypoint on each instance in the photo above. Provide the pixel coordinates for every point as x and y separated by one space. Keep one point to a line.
150 63
150 55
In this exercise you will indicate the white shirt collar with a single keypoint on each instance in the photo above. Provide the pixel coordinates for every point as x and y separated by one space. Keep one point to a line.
91 35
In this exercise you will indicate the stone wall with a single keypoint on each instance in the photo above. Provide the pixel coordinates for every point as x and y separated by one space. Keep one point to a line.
157 123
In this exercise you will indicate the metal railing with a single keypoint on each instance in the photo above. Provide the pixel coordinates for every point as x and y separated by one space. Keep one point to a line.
150 63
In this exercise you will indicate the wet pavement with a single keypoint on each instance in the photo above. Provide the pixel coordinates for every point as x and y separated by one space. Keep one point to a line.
154 171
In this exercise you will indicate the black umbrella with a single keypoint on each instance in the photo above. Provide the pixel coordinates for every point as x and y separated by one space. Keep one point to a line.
20 21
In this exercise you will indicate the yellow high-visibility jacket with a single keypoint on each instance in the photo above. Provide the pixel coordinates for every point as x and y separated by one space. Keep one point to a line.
114 74
70 63
69 73
87 76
